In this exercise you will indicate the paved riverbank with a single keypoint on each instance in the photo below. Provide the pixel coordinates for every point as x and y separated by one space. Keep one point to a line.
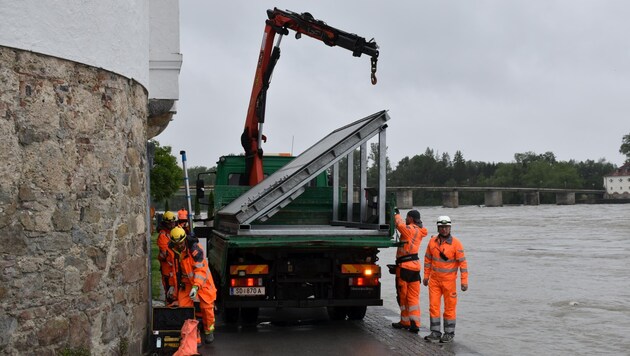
310 332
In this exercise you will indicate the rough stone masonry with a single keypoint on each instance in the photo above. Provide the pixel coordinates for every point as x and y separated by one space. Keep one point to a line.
73 265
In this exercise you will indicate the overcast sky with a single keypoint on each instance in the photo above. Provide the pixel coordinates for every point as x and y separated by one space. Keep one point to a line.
488 78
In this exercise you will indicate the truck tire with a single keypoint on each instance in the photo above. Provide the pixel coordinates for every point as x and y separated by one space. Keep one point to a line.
337 313
356 313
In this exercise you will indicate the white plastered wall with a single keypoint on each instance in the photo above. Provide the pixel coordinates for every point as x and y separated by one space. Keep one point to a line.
165 59
112 34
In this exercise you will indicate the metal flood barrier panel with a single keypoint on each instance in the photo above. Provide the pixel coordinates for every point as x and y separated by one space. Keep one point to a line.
282 187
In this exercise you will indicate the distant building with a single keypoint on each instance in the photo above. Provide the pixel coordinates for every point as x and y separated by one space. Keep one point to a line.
617 184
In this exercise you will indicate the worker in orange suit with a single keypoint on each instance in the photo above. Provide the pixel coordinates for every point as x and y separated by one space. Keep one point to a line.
408 269
169 221
182 220
444 256
193 278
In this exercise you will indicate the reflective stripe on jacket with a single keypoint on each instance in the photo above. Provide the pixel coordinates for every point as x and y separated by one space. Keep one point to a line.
411 235
194 267
435 267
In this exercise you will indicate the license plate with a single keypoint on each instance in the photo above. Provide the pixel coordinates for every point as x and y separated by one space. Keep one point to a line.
247 291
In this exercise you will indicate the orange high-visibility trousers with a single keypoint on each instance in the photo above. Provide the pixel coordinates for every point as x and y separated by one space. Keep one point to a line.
408 300
437 290
206 304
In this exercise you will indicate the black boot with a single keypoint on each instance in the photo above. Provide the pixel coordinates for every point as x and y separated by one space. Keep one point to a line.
447 337
209 338
413 327
398 325
434 336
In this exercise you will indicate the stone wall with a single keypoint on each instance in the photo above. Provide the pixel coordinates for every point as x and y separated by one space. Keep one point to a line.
73 243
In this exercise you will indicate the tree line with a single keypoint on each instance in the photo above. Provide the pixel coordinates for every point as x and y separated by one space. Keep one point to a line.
431 168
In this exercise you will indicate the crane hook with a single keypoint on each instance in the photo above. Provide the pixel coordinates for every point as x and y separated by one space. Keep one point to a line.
373 75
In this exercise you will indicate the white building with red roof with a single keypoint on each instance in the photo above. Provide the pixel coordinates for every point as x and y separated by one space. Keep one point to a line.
617 184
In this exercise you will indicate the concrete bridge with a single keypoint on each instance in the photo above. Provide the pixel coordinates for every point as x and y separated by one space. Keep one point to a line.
493 196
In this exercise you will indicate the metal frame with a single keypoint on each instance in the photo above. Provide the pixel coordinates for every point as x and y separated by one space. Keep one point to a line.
282 187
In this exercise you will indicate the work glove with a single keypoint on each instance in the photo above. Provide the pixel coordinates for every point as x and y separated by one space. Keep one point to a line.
396 211
420 224
171 293
464 287
425 281
193 292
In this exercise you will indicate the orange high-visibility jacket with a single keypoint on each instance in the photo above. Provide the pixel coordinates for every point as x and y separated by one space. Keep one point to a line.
182 214
435 267
412 236
162 243
192 268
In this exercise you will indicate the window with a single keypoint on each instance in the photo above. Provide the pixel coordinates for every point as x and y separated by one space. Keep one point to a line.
611 180
235 179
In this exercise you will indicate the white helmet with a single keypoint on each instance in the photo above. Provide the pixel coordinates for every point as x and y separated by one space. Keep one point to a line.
444 221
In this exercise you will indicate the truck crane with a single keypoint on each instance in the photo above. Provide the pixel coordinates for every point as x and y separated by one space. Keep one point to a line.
280 22
290 240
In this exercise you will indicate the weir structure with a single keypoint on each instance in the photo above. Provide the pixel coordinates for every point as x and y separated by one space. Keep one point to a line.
493 196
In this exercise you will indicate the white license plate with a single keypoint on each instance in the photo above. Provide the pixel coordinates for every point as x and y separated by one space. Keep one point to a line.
247 291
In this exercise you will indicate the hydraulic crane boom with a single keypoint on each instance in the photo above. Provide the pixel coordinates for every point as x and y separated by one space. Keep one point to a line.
280 22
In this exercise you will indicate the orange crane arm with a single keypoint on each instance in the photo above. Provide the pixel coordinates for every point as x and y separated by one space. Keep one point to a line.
280 22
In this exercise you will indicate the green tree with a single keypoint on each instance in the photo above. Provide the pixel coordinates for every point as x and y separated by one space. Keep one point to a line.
459 168
592 172
194 171
507 175
343 169
166 175
373 168
565 175
528 157
625 147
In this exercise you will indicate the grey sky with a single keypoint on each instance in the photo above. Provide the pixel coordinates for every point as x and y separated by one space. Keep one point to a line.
488 78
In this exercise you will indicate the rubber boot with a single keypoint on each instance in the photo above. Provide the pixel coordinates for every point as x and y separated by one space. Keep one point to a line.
434 336
413 327
209 338
399 325
447 337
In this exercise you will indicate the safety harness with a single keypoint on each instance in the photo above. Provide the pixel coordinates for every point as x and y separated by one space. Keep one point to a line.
407 258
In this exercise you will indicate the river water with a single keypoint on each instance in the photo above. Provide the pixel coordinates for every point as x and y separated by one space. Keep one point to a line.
543 280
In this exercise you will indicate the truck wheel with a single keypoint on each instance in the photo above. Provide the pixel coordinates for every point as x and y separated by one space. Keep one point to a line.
337 313
230 315
356 313
249 316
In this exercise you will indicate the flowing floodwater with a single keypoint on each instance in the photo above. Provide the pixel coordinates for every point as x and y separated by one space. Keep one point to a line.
543 280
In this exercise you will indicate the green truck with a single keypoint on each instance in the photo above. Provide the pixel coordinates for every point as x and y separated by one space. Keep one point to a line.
301 238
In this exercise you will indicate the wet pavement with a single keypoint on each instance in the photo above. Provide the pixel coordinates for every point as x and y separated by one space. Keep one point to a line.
310 332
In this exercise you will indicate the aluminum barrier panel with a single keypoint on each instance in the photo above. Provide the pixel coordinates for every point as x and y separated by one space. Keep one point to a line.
279 189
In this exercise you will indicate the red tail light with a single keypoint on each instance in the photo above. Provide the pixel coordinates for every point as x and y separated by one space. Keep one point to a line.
363 281
246 282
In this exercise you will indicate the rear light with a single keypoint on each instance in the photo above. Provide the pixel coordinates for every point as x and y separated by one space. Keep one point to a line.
363 281
364 269
246 282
